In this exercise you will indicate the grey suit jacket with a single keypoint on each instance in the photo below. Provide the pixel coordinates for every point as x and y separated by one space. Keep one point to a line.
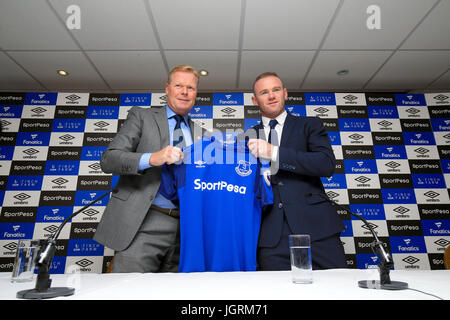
145 130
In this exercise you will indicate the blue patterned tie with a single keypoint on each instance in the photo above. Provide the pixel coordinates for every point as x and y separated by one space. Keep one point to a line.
177 137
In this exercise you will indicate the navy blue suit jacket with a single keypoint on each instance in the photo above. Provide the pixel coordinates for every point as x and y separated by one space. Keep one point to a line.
305 155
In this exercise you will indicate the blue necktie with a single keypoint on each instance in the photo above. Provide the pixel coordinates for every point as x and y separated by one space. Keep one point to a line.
177 136
272 124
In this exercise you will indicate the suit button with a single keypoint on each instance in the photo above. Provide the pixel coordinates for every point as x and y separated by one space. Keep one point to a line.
280 205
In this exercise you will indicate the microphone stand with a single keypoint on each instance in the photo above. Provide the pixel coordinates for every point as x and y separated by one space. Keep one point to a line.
386 262
42 289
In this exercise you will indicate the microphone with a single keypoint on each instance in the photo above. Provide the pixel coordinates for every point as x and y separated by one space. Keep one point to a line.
386 261
42 289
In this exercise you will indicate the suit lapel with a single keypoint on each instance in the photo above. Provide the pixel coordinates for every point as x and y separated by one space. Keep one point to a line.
163 125
288 128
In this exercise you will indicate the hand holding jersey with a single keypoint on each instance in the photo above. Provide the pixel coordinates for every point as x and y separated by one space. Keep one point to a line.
261 149
167 155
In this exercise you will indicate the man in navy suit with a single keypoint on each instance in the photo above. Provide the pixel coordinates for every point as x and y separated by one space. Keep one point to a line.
300 153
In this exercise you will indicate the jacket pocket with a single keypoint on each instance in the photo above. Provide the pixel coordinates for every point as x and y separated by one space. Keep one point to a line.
315 198
121 194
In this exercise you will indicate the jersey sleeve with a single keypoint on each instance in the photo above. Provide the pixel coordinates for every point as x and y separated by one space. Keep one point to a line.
263 189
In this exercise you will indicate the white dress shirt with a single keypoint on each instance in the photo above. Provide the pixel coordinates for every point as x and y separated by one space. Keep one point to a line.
278 129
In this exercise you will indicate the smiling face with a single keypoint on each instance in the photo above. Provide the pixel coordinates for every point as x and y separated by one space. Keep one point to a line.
181 91
270 96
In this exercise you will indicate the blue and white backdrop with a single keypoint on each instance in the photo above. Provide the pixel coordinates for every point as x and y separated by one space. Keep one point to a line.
392 150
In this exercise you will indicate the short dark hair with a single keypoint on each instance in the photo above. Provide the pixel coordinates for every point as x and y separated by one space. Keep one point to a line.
264 75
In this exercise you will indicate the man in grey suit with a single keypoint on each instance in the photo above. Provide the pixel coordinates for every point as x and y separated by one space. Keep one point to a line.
139 223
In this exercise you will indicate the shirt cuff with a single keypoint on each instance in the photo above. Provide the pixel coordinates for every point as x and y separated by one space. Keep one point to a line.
144 162
274 153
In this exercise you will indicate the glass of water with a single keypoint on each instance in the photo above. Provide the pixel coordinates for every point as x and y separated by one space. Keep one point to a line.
301 267
24 263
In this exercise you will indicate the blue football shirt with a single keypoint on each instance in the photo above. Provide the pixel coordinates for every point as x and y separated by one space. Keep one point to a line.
222 190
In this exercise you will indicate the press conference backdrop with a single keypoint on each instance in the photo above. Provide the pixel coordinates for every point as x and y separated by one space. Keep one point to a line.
392 150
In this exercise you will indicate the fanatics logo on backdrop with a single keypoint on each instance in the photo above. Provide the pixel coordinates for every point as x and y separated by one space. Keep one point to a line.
41 98
410 99
53 214
201 112
440 124
337 181
11 111
436 228
422 138
298 111
228 99
360 166
33 139
17 231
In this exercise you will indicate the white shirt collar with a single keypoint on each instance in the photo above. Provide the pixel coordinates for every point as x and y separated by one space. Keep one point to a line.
281 118
171 113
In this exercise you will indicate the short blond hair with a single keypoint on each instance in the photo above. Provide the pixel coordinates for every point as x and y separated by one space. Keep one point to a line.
184 68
